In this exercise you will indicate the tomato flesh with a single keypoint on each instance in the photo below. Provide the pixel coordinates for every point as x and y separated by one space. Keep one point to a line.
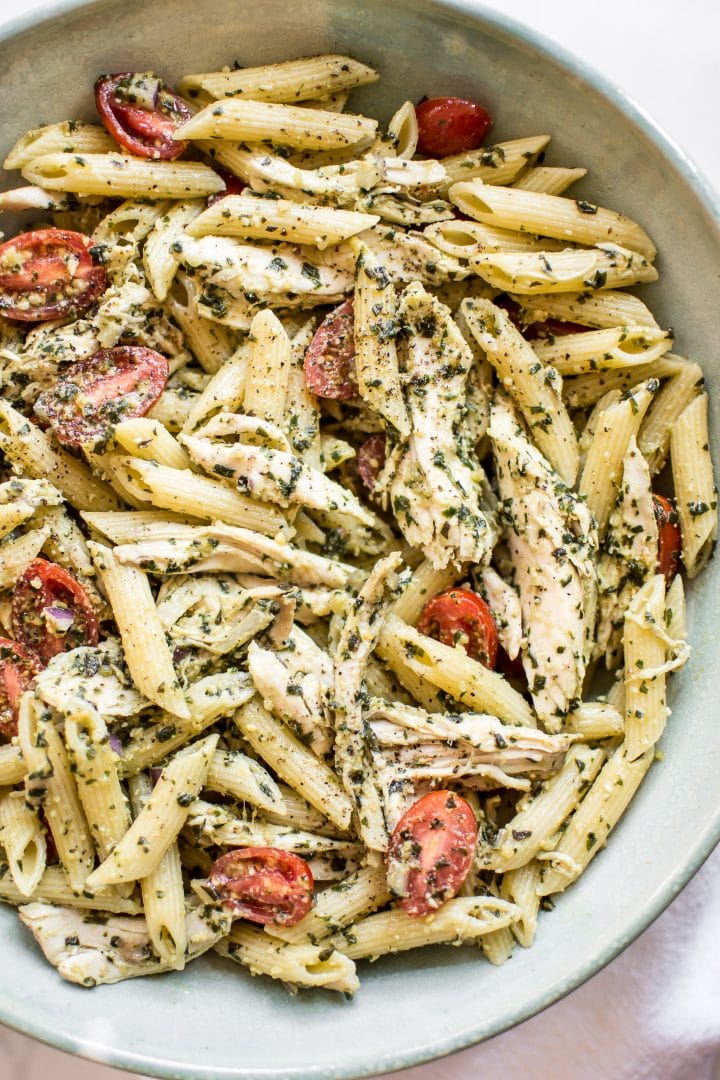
96 394
330 356
669 538
460 616
233 186
48 274
431 851
263 885
370 459
18 667
451 125
145 132
51 612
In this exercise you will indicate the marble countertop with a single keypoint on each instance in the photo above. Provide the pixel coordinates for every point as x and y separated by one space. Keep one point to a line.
665 56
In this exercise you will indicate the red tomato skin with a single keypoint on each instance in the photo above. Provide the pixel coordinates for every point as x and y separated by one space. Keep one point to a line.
370 459
264 885
669 537
95 394
233 186
142 132
43 585
330 356
18 666
462 612
451 125
437 837
46 268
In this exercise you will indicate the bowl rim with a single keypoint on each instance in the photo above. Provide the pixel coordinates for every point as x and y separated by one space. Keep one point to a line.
709 198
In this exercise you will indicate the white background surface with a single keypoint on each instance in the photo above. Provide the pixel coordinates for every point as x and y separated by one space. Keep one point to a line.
654 1014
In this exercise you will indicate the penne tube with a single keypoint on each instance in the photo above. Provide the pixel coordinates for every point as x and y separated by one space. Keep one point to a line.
602 472
191 495
158 259
94 766
453 671
603 267
210 343
149 440
268 368
520 887
33 451
162 891
462 919
376 363
591 824
12 765
70 136
529 382
253 218
22 838
644 649
121 176
571 220
293 763
662 416
595 720
600 310
596 350
695 491
156 827
542 813
236 774
225 390
146 650
49 783
499 164
339 905
17 553
260 121
310 77
53 888
466 239
549 179
297 965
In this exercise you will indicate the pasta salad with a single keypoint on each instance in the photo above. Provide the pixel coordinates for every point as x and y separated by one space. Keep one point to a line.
338 593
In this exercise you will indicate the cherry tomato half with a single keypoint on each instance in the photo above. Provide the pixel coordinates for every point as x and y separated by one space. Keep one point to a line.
669 539
95 394
233 186
330 356
51 612
431 851
141 114
264 885
450 125
48 274
460 616
370 459
18 667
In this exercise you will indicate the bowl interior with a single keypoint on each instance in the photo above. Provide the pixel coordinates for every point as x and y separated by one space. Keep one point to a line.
214 1020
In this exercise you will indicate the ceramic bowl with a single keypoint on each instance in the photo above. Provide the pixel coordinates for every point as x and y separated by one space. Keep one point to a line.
214 1020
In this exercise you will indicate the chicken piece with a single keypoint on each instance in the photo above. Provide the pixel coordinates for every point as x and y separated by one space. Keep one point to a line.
358 638
182 549
504 603
211 825
552 538
631 553
211 611
295 684
265 472
484 738
89 950
433 491
97 675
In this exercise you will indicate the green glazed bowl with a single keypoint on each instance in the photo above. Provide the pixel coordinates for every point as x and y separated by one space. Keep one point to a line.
213 1020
